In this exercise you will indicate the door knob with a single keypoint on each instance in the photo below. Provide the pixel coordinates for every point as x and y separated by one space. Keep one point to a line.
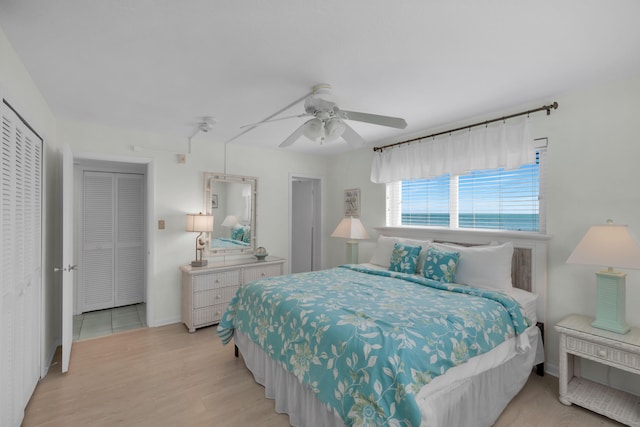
69 268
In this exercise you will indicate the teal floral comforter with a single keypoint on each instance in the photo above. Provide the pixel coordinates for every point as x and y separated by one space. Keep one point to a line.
364 340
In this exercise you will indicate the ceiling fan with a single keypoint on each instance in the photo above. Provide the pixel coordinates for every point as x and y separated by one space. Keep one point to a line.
328 120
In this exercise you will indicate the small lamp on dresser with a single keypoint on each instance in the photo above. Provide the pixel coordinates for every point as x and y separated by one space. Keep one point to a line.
199 223
609 245
351 228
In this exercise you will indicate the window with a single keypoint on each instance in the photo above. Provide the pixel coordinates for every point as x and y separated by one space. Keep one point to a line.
494 199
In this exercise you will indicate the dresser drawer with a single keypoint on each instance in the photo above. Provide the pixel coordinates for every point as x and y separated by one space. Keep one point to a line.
587 348
204 282
254 273
207 315
214 296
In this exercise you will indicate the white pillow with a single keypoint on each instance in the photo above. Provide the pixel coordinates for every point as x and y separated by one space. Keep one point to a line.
382 254
486 267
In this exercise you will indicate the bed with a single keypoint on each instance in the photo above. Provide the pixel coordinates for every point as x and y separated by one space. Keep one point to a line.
222 242
396 341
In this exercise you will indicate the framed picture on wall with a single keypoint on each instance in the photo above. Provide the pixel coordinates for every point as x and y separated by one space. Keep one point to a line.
214 201
352 202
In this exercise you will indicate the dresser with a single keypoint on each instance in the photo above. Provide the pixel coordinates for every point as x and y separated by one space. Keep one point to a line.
579 339
207 291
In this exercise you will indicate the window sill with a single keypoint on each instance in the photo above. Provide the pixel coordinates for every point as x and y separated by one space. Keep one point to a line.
476 236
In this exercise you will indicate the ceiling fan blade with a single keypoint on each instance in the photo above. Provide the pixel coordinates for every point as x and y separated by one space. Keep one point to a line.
274 120
352 137
272 115
295 135
394 122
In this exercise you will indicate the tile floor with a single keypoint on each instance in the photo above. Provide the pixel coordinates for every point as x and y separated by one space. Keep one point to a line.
105 322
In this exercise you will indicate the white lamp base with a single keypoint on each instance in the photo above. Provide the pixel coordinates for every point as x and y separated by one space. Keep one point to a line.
352 251
610 303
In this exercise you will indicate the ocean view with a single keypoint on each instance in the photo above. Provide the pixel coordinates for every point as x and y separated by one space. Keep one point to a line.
515 222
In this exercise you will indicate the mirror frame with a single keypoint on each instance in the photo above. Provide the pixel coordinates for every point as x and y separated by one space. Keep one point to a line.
211 177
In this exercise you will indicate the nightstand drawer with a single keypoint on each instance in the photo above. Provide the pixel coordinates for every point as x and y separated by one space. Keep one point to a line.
222 279
586 348
214 296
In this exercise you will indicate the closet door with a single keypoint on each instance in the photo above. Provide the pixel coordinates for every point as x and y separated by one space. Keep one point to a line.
129 239
20 264
98 248
112 267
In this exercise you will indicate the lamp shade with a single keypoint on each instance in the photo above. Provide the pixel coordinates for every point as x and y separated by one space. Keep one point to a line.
334 128
229 221
199 222
607 245
350 228
313 129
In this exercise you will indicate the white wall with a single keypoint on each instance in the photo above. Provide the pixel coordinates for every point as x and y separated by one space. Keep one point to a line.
179 189
593 172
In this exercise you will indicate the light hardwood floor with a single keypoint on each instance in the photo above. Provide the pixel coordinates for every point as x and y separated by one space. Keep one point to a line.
168 377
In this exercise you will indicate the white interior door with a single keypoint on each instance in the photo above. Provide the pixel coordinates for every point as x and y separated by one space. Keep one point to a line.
305 224
67 256
302 223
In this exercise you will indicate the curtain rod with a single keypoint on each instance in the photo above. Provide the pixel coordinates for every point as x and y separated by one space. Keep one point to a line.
486 122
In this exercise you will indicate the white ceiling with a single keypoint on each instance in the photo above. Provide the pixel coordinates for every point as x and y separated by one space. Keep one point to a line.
160 65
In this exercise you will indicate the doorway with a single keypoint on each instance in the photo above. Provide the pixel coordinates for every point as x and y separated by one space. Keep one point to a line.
132 179
305 224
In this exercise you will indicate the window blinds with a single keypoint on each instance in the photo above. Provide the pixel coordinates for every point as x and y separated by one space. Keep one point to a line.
496 199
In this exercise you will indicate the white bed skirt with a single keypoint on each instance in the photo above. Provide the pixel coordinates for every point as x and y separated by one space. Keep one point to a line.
472 394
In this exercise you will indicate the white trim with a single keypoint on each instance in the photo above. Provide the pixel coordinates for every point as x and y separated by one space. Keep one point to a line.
150 215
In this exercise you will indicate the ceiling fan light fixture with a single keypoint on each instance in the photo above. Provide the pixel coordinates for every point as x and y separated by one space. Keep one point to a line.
313 129
334 128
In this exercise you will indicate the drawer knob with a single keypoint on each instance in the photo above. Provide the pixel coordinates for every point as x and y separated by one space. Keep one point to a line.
602 353
263 274
217 296
217 280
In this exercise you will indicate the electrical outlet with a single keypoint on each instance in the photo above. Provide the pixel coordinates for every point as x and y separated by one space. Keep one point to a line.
161 224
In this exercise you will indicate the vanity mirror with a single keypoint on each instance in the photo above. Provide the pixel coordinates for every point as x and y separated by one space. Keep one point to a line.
231 199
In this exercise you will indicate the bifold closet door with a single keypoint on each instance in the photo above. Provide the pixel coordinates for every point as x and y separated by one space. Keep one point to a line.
129 287
98 247
112 267
20 264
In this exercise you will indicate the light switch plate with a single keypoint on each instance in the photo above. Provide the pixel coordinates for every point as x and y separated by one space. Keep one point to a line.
161 224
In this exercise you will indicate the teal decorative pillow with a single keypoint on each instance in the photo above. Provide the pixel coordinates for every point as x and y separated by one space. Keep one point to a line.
440 265
237 233
404 258
246 236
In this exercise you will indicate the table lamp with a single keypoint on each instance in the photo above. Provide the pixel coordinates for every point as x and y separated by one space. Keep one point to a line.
609 245
199 223
351 228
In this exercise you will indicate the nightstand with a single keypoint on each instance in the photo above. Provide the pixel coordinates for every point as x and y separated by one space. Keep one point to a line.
579 339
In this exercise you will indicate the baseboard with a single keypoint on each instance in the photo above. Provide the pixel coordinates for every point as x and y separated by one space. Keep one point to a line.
551 369
164 322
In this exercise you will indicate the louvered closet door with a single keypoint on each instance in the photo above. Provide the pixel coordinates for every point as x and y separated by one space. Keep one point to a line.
112 267
130 239
20 265
98 235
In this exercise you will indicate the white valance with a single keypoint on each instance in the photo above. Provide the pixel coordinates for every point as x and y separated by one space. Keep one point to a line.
505 145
